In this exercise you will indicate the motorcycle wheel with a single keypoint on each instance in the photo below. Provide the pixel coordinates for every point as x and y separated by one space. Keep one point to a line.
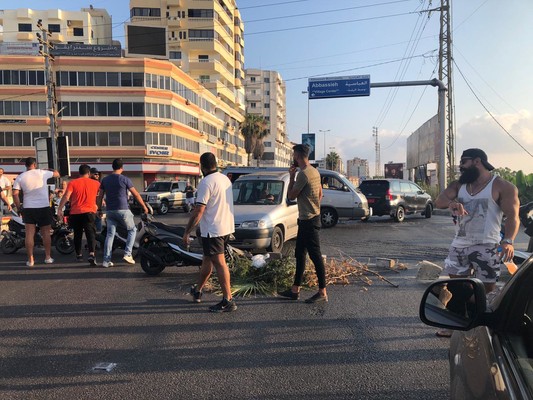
65 245
149 267
8 246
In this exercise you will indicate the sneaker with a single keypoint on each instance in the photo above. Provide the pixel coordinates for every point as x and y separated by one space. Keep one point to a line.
317 298
129 259
196 294
49 261
289 294
29 263
79 257
224 306
107 264
92 261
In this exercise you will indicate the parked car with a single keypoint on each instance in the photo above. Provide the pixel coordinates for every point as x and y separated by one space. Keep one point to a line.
491 350
162 196
397 198
264 217
341 198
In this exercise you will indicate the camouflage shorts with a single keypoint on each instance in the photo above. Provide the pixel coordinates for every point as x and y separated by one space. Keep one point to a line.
480 261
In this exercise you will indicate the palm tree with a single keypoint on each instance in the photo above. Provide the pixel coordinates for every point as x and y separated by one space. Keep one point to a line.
254 128
332 160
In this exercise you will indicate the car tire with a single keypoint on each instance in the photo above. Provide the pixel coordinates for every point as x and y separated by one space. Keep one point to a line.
163 208
65 245
429 211
8 246
328 217
399 215
277 240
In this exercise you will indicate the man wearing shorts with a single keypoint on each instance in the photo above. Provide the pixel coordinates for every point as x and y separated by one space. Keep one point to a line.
479 200
214 212
36 210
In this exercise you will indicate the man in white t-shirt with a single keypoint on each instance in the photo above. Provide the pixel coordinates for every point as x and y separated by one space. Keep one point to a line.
214 212
36 206
5 185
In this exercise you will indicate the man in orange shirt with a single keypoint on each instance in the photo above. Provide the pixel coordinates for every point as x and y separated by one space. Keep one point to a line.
82 193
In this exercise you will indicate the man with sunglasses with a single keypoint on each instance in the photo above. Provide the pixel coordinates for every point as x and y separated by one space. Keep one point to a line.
479 200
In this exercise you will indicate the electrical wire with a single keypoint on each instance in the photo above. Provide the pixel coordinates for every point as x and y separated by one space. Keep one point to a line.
487 110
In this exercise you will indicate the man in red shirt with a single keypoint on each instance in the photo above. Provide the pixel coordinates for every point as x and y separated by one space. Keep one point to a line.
82 193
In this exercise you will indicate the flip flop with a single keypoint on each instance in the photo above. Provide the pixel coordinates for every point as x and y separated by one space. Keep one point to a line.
445 333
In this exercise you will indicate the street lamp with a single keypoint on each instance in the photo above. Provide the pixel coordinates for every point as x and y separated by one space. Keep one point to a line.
324 132
307 93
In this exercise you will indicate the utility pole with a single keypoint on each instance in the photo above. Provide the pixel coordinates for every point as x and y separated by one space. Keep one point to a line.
445 76
377 169
44 50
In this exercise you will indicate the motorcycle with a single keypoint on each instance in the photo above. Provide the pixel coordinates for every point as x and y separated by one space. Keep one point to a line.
14 239
121 235
163 247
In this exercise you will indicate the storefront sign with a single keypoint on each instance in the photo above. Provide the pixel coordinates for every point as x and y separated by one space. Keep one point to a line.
156 150
86 50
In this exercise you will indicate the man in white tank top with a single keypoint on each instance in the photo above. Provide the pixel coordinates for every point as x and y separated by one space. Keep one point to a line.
479 200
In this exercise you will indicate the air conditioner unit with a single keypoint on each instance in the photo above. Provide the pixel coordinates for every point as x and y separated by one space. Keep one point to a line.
69 22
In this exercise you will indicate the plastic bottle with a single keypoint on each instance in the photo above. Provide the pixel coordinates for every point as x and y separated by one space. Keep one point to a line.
511 267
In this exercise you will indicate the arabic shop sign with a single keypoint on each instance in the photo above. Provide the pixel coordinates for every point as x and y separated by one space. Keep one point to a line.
86 50
339 86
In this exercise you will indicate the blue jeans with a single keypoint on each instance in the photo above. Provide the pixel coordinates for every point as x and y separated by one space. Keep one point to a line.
124 218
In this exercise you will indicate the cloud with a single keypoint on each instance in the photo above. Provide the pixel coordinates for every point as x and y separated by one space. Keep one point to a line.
502 150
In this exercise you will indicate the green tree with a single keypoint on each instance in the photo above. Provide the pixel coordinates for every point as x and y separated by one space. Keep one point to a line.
524 183
332 161
254 128
506 173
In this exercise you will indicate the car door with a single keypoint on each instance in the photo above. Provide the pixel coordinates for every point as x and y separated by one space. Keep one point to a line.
420 199
497 362
408 197
336 197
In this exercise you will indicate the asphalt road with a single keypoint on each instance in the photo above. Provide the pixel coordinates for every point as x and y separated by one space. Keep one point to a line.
58 322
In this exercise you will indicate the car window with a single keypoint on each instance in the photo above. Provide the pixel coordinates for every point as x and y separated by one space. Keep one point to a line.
414 188
377 188
395 186
257 192
405 187
175 186
158 187
331 183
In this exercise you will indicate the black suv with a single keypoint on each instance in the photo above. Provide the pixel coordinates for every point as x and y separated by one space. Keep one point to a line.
396 197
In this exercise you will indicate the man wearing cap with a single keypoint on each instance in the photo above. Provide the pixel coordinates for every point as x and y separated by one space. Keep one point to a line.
479 200
95 175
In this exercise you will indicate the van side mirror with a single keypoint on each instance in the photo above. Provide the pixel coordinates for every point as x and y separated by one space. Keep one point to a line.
291 202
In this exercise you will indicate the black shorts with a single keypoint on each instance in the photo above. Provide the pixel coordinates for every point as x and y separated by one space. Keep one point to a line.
214 245
37 216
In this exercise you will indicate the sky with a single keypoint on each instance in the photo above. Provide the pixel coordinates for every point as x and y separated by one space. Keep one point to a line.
390 40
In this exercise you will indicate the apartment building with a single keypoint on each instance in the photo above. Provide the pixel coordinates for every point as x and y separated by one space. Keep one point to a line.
147 110
203 38
357 169
88 26
265 95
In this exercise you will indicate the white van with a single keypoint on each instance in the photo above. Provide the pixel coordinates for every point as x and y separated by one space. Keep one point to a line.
264 217
341 198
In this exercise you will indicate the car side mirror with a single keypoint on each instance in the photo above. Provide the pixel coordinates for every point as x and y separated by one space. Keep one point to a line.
291 202
454 304
420 192
345 188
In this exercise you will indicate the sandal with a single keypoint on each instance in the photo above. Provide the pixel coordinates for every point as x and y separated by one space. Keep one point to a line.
445 333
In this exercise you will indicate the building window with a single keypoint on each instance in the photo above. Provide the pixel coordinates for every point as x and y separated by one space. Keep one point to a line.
54 28
253 105
24 27
204 78
201 33
200 13
267 105
267 80
175 55
145 12
203 58
78 31
267 92
252 79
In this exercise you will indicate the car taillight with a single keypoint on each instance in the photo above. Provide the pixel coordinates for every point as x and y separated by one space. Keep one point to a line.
388 196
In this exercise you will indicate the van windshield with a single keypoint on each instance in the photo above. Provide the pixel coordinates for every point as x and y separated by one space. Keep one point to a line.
158 187
257 192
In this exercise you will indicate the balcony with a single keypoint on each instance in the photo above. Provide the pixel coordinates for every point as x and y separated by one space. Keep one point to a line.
174 21
57 37
24 35
174 3
217 87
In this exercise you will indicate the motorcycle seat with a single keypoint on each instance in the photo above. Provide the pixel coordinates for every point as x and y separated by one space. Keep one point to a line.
176 229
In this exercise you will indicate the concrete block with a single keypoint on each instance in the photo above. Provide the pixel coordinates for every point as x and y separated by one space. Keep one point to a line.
385 263
427 271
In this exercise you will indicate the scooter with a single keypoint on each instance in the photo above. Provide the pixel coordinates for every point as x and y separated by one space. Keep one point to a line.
163 247
14 239
121 235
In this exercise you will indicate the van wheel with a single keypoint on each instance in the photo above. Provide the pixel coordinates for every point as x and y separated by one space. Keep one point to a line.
400 214
163 208
276 242
328 217
429 211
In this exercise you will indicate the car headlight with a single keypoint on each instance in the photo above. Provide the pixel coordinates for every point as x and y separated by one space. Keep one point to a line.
253 224
152 198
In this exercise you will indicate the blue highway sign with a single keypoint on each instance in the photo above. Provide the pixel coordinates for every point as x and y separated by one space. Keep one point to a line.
339 86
